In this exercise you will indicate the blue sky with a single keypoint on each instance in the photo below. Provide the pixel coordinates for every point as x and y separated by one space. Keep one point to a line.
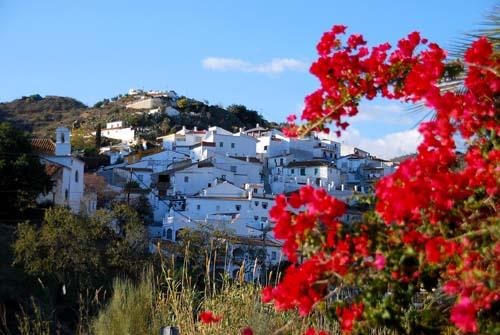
251 52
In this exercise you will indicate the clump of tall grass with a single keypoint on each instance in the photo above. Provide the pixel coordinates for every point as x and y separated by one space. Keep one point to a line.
170 297
132 309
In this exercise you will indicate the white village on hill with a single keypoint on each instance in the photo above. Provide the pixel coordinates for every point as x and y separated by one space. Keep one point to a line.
212 178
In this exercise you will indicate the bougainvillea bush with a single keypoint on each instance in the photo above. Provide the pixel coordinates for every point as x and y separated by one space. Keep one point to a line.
426 259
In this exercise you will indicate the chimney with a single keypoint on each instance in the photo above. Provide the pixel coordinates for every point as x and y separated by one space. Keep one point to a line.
257 125
195 128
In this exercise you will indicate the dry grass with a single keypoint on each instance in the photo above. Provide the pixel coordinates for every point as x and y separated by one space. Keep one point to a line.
162 300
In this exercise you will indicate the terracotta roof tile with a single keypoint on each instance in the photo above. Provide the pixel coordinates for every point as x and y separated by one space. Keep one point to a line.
43 146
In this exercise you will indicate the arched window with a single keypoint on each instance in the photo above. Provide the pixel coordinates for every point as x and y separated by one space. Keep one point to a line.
76 176
169 234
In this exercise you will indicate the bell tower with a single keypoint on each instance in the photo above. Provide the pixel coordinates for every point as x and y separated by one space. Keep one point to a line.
63 144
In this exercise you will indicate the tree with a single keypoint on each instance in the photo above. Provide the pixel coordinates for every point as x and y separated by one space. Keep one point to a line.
426 259
143 209
97 184
83 251
22 176
72 255
98 136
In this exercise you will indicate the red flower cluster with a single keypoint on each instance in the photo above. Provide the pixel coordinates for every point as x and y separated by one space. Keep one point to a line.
424 204
348 315
247 331
208 317
312 331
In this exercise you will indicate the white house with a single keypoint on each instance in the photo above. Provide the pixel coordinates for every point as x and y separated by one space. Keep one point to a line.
361 170
222 206
293 175
116 130
245 169
66 171
237 144
115 153
190 179
183 140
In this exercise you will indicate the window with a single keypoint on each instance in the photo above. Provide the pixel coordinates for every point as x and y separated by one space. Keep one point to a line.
198 207
256 203
255 217
76 176
186 179
255 190
233 168
273 255
292 171
62 137
232 145
66 194
209 184
238 207
169 234
281 161
223 177
221 144
302 171
263 218
264 205
265 148
315 171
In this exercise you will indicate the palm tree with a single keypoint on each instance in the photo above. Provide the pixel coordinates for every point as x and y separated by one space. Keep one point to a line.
455 68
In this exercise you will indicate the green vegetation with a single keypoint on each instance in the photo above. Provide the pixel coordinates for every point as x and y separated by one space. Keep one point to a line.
22 178
57 274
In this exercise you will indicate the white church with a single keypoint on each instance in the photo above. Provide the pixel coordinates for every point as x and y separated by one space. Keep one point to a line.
66 172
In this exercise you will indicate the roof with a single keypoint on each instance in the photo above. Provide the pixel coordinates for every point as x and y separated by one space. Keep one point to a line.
203 143
254 241
205 163
181 165
314 162
43 146
196 131
51 168
256 129
247 159
128 168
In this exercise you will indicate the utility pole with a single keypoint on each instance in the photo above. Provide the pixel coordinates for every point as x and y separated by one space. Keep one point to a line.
129 186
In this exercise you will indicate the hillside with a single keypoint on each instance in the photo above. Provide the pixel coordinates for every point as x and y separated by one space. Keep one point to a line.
41 115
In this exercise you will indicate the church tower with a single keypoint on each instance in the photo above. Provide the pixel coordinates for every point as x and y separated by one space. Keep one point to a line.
63 144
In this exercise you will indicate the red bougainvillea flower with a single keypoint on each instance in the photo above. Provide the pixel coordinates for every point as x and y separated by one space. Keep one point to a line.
425 205
463 315
348 315
379 261
247 331
312 331
208 317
